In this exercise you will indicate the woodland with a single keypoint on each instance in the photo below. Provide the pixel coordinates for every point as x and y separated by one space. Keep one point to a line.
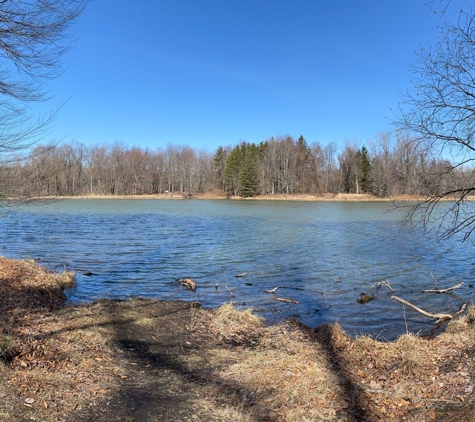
392 165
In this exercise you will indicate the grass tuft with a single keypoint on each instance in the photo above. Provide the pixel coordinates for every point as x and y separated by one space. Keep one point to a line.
8 350
471 315
410 357
236 326
66 279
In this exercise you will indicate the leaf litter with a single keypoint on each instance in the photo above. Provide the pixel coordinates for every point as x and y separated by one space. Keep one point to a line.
144 359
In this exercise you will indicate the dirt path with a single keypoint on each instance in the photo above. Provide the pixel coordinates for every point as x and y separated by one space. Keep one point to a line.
157 354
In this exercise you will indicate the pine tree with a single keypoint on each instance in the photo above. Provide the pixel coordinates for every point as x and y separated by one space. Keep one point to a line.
364 169
219 166
249 176
241 175
232 170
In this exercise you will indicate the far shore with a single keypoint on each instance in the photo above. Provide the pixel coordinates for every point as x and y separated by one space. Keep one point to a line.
341 197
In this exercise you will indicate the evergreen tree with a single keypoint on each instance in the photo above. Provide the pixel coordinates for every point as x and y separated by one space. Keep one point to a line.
249 175
364 169
241 175
219 166
232 170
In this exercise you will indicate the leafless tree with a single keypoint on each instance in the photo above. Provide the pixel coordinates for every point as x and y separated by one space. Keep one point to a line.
348 173
440 114
34 37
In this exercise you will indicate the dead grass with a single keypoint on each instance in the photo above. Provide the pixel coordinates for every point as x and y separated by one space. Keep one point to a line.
236 326
62 363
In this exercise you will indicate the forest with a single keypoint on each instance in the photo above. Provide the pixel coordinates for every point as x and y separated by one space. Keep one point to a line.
390 165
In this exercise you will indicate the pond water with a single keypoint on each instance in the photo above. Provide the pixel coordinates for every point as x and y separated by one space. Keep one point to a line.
321 254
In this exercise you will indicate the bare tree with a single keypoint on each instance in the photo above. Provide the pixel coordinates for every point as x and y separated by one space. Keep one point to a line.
440 113
34 37
348 171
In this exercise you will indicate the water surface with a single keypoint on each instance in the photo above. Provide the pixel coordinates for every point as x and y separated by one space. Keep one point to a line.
321 254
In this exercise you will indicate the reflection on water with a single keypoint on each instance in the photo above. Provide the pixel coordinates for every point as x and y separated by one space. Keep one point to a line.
321 254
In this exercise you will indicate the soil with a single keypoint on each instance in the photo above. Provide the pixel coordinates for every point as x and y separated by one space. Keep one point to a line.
153 360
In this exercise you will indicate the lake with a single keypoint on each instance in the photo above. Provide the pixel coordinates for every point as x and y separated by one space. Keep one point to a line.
320 254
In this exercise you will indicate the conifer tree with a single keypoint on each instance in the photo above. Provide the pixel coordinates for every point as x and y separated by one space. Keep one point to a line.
241 176
249 176
232 169
364 170
219 166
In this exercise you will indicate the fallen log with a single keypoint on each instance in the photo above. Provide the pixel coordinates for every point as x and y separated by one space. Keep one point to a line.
444 290
186 282
438 317
281 299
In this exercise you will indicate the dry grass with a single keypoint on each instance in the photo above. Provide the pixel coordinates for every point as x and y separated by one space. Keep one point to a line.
236 326
226 365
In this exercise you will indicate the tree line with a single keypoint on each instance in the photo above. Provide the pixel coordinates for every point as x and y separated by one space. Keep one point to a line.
390 165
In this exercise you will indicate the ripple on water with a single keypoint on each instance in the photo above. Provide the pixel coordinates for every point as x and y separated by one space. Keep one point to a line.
322 255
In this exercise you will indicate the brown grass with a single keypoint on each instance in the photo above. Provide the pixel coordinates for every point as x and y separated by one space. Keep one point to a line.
97 362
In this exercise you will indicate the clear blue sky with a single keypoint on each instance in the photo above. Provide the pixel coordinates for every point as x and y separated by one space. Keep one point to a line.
206 73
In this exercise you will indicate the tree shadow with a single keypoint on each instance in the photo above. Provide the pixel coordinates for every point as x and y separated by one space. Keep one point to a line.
353 395
161 384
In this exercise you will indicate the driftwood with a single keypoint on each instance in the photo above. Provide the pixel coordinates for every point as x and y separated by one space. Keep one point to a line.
189 284
384 283
230 292
444 290
281 299
438 317
271 291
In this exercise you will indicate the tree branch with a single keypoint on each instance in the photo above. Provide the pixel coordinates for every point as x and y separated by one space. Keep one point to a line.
438 317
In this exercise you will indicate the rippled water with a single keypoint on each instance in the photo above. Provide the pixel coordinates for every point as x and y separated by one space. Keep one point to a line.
321 254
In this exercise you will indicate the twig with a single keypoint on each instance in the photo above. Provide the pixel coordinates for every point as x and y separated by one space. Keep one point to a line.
438 317
444 290
384 283
432 275
230 292
271 291
281 299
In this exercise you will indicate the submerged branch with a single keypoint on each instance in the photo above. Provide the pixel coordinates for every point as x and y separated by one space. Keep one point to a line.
281 299
444 290
438 317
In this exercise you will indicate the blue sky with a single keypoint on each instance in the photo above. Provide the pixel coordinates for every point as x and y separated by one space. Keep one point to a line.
216 72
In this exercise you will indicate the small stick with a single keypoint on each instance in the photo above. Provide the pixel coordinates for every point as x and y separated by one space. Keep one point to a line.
432 275
384 283
444 290
230 292
281 299
271 291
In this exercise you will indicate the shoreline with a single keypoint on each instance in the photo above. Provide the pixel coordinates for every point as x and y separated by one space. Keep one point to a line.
127 359
342 197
